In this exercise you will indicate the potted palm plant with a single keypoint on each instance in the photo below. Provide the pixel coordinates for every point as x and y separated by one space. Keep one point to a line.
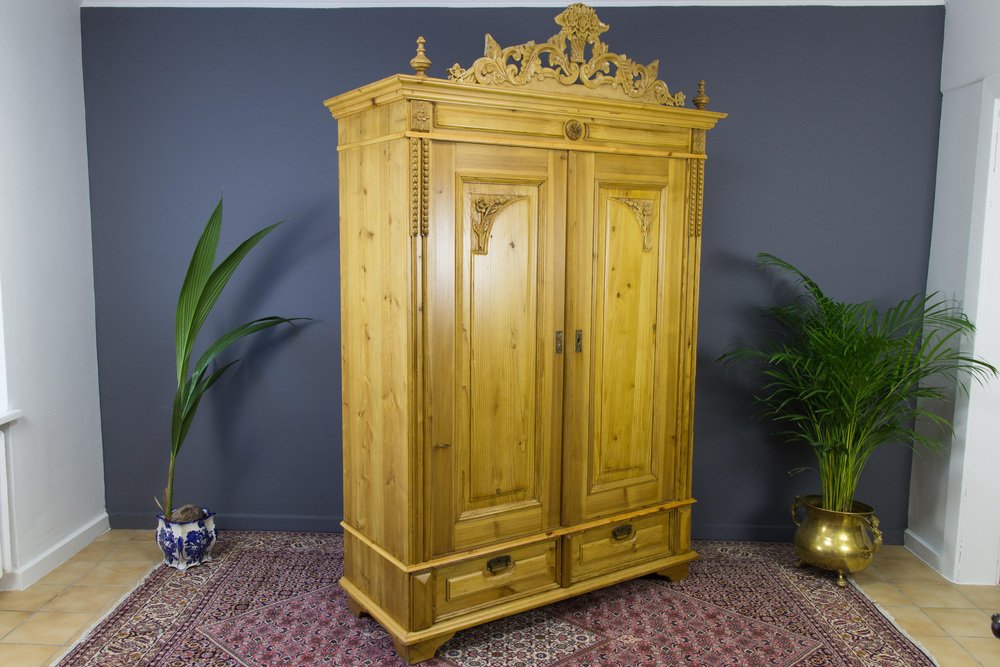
186 535
845 379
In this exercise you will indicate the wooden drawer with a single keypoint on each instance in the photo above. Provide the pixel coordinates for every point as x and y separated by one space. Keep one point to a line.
500 576
616 546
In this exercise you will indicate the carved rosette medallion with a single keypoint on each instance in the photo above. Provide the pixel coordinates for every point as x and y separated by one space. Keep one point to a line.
530 63
643 211
698 141
574 130
485 209
421 115
696 192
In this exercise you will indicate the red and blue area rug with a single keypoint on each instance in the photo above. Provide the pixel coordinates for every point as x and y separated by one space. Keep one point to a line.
272 599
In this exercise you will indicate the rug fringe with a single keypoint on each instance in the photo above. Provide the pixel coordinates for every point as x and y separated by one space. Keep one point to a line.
892 620
69 649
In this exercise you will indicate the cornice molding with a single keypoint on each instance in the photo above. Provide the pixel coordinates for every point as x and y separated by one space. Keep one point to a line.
365 4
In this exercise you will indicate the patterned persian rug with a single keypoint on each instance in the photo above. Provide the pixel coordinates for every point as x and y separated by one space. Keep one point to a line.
272 599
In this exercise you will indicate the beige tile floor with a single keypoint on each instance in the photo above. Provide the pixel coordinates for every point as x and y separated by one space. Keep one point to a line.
951 621
39 624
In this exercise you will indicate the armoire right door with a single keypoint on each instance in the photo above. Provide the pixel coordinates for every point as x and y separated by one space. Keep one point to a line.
625 285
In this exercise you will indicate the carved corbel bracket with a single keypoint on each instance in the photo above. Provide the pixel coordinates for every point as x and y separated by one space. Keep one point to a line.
484 210
643 211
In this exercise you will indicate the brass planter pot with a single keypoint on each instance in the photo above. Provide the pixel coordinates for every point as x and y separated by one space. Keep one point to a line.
838 541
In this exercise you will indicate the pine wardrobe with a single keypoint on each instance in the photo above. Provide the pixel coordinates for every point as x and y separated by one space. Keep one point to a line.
519 251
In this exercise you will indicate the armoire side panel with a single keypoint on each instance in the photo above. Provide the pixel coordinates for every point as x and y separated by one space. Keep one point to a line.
687 334
678 342
377 343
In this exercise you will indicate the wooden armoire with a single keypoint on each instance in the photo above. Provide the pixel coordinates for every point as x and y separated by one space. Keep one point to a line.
519 296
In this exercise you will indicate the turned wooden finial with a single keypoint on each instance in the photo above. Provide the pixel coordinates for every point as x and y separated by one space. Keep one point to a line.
701 100
420 62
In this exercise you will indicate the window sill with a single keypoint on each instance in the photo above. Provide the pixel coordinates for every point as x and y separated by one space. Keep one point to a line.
8 415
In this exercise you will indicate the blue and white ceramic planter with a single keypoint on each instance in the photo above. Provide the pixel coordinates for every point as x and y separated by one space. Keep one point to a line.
187 543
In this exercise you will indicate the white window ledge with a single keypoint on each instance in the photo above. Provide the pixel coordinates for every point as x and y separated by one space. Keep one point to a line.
8 415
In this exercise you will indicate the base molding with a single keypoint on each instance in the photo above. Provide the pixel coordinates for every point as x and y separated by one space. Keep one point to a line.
421 651
923 550
420 645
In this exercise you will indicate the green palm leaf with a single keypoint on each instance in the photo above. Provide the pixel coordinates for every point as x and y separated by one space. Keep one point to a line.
845 378
227 339
194 284
217 281
200 291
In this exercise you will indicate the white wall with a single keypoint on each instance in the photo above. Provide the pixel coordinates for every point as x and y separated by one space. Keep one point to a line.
953 520
54 453
971 47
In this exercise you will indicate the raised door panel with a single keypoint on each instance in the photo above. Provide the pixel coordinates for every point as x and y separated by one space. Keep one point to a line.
495 284
625 245
624 334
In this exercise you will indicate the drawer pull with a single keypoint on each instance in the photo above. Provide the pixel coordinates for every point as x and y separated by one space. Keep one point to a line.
622 532
498 564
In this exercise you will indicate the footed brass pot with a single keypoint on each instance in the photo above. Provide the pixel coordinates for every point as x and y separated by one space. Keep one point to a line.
838 541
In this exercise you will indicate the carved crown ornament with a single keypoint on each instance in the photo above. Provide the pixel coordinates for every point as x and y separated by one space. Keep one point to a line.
532 64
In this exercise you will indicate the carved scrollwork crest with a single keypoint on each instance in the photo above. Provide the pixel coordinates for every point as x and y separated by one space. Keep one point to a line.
529 63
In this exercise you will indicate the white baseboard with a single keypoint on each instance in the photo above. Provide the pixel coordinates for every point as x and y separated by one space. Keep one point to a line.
22 576
923 550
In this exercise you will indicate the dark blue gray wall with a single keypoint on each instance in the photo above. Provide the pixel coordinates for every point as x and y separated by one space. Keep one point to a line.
827 159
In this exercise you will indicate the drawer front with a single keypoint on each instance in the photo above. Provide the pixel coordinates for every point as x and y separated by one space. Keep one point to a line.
499 576
617 546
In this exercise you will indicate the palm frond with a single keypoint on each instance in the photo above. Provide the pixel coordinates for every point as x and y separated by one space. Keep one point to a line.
846 378
200 291
197 275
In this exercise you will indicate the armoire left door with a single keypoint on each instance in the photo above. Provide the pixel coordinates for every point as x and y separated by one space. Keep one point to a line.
494 343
